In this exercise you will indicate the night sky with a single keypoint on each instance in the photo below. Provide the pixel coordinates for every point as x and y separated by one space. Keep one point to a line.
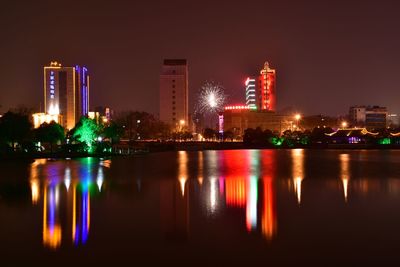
328 54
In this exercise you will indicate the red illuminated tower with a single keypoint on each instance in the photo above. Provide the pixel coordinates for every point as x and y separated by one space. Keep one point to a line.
266 92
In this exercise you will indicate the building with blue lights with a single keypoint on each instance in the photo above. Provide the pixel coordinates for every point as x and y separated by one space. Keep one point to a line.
66 93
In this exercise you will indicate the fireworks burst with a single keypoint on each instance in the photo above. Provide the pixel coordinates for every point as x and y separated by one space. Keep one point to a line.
211 98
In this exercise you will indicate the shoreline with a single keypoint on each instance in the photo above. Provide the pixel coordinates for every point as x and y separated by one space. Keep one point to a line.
125 151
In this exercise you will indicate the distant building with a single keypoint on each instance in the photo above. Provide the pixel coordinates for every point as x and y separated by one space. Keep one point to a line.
174 93
318 121
393 120
251 92
66 93
266 90
239 118
371 117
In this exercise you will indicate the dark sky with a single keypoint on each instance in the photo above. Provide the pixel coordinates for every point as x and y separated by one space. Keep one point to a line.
328 54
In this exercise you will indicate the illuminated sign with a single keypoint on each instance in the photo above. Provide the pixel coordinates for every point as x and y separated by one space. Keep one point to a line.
240 107
221 123
52 84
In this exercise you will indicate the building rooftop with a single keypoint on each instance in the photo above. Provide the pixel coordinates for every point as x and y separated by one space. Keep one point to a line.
175 62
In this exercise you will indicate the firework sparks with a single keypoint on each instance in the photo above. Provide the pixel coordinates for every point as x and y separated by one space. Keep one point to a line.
211 98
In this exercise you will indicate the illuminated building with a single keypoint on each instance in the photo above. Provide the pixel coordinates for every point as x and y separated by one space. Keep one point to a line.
241 117
371 117
40 118
265 94
66 93
251 92
174 92
351 136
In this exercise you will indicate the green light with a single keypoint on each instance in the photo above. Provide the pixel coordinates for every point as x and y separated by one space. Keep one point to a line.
87 133
276 141
384 141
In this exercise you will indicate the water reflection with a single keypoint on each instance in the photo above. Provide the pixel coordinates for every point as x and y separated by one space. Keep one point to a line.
66 198
344 173
210 185
298 171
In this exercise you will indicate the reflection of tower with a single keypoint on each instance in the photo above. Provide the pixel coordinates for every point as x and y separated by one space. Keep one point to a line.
174 203
252 189
269 216
200 168
298 171
344 173
34 179
80 214
251 203
51 220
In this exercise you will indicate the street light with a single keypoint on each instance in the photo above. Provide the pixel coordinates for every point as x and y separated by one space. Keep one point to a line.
344 124
297 117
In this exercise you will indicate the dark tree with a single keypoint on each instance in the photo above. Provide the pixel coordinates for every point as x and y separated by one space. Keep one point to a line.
113 132
14 128
50 133
209 133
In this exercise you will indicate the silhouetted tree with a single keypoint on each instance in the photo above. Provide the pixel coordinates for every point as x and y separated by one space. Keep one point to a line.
14 128
113 132
209 133
50 133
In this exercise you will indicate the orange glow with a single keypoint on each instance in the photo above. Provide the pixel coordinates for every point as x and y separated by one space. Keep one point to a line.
182 170
51 235
344 173
235 191
269 219
298 171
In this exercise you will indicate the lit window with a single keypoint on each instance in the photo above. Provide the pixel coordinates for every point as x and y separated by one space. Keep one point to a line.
51 96
52 87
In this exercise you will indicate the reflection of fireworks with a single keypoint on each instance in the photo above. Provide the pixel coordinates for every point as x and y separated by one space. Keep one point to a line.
211 98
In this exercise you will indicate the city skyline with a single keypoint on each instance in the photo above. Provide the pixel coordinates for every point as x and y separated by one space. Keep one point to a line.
322 52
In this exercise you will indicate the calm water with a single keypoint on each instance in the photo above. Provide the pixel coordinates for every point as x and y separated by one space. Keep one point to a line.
252 207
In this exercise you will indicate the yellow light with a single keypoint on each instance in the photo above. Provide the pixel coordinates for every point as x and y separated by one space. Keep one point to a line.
344 124
182 122
297 117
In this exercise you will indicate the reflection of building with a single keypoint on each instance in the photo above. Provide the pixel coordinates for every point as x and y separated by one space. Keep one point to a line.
371 117
67 193
174 202
344 173
174 92
51 216
297 171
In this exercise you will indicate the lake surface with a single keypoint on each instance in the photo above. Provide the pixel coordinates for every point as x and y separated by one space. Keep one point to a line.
207 208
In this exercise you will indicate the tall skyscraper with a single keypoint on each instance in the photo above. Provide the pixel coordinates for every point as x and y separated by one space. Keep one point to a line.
66 93
266 91
174 93
251 92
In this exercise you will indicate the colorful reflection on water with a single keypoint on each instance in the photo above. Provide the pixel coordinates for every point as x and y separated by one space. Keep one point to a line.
252 189
66 197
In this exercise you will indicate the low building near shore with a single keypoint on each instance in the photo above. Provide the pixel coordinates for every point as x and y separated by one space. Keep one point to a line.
241 117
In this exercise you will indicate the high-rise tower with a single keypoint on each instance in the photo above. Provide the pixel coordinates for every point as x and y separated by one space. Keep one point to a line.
174 93
266 91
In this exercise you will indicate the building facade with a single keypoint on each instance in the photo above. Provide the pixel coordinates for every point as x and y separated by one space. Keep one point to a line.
174 93
239 118
66 93
371 117
266 90
251 92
